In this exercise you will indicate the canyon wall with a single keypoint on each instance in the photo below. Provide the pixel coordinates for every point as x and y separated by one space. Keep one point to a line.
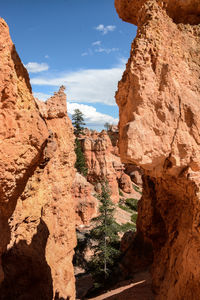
86 204
103 162
159 107
37 219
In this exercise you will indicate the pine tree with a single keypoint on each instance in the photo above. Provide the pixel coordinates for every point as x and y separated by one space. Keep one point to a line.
78 122
80 164
107 126
105 237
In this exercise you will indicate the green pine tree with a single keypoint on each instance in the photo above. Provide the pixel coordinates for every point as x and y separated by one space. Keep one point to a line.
78 122
107 126
80 164
105 238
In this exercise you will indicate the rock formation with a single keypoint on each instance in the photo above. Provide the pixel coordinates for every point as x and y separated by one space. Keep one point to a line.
36 208
159 105
186 12
103 162
86 204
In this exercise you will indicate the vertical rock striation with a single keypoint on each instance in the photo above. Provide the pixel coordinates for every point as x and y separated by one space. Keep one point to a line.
103 161
86 204
159 105
36 209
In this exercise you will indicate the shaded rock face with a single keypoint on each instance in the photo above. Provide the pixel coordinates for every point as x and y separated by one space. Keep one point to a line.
135 173
159 104
36 209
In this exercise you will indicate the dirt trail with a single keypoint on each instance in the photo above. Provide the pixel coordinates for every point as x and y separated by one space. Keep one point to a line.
139 288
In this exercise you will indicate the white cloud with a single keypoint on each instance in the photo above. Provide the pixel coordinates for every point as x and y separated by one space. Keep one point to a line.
105 29
91 116
42 96
90 85
97 43
88 52
34 67
84 54
106 50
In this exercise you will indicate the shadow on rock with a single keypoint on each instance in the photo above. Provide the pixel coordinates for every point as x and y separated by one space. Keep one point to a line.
27 274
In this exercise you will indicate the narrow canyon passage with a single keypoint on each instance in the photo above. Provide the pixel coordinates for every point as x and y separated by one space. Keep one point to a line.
56 180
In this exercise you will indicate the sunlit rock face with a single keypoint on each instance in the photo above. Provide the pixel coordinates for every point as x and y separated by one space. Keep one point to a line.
86 203
103 162
36 173
159 106
181 11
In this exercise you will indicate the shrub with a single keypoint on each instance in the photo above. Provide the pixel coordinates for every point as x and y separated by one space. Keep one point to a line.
134 218
126 208
128 226
120 193
132 203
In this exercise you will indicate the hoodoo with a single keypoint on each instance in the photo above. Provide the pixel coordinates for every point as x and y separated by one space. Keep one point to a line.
37 226
159 106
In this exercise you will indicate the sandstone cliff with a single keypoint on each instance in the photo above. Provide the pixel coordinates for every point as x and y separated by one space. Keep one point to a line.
86 204
36 209
159 104
103 162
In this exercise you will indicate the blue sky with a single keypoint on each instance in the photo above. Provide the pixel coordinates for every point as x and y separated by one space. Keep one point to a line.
81 44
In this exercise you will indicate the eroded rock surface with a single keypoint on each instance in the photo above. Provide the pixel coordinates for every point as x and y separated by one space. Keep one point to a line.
36 209
181 11
103 162
86 204
159 105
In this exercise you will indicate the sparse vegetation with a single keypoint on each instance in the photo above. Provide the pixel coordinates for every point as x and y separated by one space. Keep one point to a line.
128 226
137 189
120 193
132 203
129 205
134 217
124 207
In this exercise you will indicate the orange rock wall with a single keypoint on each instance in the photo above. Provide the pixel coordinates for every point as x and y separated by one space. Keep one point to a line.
86 204
101 161
181 11
159 106
36 209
